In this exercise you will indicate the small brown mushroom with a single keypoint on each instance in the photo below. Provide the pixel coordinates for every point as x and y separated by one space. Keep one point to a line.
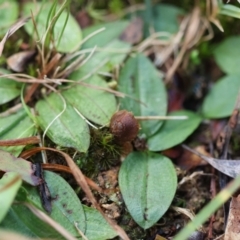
124 126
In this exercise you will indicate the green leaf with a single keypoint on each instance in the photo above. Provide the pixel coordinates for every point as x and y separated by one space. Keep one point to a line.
9 89
148 183
9 163
66 210
165 18
97 228
67 129
8 15
174 132
227 55
104 60
9 122
15 126
95 104
72 35
9 185
112 31
140 80
230 10
221 99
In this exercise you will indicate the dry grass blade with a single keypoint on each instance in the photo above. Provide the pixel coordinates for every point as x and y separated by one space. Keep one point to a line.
173 45
44 217
80 178
12 30
212 11
191 32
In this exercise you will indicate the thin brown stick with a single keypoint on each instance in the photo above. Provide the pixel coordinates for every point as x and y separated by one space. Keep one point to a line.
20 141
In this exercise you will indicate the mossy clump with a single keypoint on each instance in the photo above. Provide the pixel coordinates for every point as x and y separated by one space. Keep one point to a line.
102 154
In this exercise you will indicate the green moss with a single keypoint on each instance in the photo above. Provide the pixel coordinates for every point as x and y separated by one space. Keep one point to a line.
102 154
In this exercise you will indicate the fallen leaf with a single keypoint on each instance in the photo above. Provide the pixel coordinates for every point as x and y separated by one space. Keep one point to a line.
229 167
189 160
9 163
18 61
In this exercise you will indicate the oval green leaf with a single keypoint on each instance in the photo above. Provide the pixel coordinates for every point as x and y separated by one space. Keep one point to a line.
148 183
9 185
67 129
8 15
112 30
14 126
166 18
227 55
221 99
95 104
140 80
72 35
66 210
174 132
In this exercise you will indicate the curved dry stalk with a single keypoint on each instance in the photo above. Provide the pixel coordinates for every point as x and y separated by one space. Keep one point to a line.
22 78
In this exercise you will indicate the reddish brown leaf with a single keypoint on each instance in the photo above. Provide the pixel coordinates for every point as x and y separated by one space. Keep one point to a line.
189 160
133 33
